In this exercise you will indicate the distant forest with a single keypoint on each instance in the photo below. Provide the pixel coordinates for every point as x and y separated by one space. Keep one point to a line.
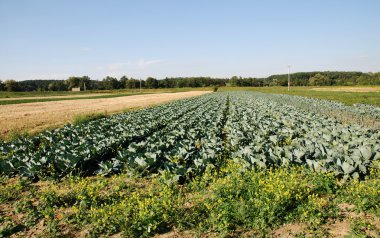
109 83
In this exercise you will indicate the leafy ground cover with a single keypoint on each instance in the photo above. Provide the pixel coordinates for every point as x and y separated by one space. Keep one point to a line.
229 201
232 164
189 135
346 97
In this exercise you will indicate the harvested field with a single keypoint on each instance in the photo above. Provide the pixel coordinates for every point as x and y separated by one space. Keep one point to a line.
38 116
56 97
348 89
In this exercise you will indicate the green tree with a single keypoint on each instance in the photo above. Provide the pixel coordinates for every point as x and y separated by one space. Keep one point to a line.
11 85
320 80
274 82
133 83
2 86
52 87
57 86
74 82
123 82
151 82
110 83
234 81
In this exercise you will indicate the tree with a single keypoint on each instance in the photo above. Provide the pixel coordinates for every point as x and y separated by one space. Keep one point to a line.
151 82
319 80
74 82
52 87
2 86
234 81
110 83
57 86
167 83
133 83
274 82
11 86
123 82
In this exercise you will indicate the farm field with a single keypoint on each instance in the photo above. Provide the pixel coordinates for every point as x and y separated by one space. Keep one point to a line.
360 89
344 94
48 94
29 97
236 163
53 97
35 117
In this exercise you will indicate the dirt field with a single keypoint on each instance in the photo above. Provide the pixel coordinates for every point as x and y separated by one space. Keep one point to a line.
57 97
34 117
348 89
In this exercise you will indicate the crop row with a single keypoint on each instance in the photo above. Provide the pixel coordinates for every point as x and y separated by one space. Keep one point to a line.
186 136
186 146
81 148
360 114
266 132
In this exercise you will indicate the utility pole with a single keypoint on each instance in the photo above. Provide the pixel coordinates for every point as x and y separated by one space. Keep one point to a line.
140 85
288 77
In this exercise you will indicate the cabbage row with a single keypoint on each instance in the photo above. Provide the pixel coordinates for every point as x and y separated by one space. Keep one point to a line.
265 131
186 146
81 148
360 114
186 136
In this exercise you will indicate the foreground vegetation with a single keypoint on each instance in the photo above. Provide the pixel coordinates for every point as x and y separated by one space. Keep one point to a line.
229 200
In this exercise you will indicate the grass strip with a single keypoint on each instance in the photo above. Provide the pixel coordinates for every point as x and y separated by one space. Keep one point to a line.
19 101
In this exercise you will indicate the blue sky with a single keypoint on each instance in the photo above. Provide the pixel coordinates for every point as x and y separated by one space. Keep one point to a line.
44 39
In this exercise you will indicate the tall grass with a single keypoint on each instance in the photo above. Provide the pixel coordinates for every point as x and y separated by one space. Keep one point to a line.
84 118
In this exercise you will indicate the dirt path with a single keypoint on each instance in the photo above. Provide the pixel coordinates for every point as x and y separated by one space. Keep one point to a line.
38 116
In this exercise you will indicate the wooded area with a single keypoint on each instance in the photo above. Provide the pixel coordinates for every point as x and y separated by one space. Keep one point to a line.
109 83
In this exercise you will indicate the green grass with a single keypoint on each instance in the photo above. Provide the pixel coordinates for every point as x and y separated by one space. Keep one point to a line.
4 94
18 101
79 119
40 94
348 98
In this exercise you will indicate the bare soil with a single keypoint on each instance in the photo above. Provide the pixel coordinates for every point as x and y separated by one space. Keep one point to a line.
35 117
289 230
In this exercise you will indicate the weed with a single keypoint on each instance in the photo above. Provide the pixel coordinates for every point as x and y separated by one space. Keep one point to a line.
85 118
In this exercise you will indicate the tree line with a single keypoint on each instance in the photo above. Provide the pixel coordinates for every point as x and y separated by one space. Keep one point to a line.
327 78
109 83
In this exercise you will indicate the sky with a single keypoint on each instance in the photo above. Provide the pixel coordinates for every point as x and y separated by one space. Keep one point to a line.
44 39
